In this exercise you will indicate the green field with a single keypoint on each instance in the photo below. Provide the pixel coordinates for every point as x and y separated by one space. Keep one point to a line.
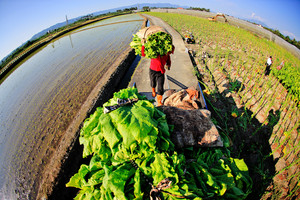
259 113
240 47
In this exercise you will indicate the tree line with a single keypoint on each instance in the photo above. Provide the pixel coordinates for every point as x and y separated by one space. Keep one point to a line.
200 9
29 43
286 38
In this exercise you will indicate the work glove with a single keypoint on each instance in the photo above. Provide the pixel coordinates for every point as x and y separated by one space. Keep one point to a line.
143 41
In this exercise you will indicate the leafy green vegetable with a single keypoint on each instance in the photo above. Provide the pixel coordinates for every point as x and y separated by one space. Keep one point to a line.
140 132
159 43
78 179
289 76
136 44
115 179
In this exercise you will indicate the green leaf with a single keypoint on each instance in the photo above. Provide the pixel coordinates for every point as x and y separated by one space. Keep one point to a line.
140 132
240 171
96 178
116 179
106 194
238 192
87 149
159 43
78 180
240 164
91 123
109 131
95 163
85 194
137 186
162 169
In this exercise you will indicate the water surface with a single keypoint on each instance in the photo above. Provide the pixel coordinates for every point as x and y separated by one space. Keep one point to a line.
41 97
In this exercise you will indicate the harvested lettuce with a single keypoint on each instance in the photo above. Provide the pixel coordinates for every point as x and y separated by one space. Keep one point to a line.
159 43
139 134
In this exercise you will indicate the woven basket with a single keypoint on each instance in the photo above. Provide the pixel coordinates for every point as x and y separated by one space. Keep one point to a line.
145 32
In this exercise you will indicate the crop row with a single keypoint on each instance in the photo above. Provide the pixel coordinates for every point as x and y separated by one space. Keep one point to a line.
249 51
235 61
277 116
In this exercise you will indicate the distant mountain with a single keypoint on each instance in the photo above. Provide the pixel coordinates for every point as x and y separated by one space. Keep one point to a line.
256 22
51 28
139 6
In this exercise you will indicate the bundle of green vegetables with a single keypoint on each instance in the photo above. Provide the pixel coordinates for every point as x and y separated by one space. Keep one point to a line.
131 146
159 43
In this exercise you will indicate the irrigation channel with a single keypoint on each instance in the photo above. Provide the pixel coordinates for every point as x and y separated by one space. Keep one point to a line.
44 94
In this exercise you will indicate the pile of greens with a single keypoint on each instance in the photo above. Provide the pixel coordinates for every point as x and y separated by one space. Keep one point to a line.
159 43
140 133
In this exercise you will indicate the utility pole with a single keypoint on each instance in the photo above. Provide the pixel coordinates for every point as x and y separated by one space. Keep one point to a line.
67 20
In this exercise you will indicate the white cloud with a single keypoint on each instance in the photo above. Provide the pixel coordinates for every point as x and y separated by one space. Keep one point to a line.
291 35
254 16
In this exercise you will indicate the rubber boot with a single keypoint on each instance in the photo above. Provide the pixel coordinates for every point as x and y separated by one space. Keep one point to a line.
153 92
159 99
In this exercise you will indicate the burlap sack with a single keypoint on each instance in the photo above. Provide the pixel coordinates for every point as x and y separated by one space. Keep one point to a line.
186 99
145 32
192 128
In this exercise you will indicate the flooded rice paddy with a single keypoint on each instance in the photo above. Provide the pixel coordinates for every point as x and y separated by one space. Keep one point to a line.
42 96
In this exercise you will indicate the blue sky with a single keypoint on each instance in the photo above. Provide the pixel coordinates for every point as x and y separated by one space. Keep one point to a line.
21 19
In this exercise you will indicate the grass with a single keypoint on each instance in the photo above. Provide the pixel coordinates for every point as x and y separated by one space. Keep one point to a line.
243 46
241 56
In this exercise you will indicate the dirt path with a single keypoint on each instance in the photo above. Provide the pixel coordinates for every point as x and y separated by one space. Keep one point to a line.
181 73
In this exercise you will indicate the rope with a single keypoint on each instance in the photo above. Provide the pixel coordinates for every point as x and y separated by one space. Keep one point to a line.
121 102
161 186
145 32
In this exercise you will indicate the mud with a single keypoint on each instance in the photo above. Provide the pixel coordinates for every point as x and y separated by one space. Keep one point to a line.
67 159
64 161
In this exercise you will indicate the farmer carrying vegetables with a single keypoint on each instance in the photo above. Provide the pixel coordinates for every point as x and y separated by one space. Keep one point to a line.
155 42
156 72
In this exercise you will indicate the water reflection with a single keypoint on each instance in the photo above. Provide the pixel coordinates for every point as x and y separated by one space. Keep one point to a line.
71 40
